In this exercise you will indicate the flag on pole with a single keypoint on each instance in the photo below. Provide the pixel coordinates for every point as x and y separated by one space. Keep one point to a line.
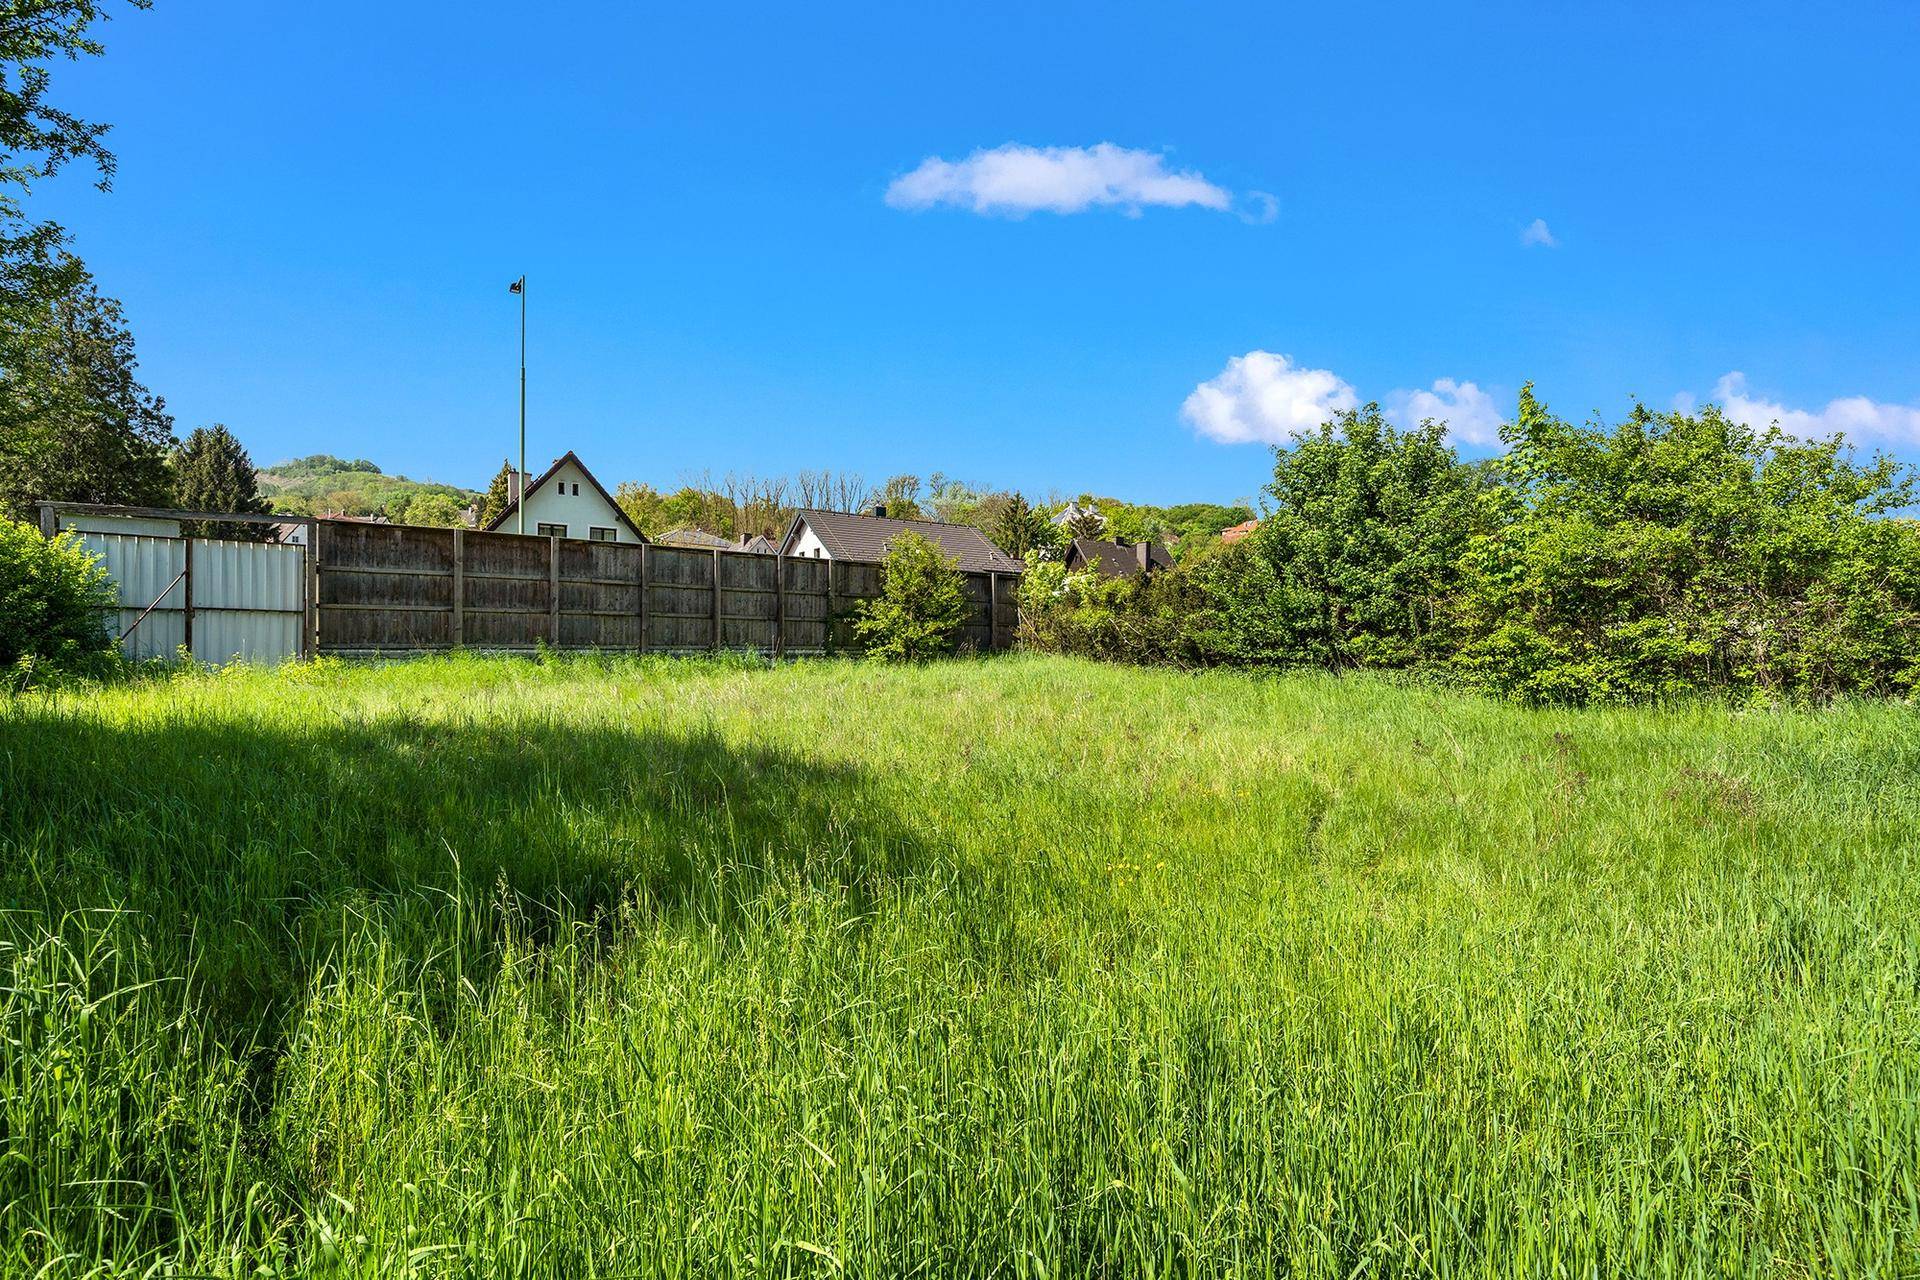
518 286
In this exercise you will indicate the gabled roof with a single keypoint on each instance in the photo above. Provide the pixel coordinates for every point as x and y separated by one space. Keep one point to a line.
695 538
536 485
1117 559
1235 532
852 537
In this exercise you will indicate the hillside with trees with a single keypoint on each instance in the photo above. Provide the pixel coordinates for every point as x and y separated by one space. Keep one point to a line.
321 484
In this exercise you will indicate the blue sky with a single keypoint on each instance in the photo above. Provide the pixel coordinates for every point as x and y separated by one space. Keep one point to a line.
739 258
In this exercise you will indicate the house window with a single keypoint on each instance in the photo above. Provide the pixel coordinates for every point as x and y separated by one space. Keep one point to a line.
576 490
551 530
816 553
599 534
561 488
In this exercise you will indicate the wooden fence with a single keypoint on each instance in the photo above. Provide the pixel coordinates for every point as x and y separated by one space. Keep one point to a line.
402 589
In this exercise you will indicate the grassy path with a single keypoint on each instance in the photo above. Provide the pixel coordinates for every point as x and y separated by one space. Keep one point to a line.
1022 967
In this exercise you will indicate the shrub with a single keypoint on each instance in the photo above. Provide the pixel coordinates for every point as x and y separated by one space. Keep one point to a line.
920 608
1679 553
54 598
1363 541
1352 568
1216 608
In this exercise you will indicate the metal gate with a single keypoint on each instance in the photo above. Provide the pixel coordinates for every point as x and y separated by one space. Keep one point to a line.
218 600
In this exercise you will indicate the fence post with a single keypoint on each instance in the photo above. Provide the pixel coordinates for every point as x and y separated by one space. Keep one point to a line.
826 637
553 590
643 597
716 599
459 587
49 522
993 613
313 586
186 579
779 606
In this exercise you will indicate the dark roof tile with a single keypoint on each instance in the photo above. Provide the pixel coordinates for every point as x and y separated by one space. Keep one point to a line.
857 537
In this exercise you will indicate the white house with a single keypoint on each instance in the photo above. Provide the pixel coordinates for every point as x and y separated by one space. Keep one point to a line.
1074 511
566 501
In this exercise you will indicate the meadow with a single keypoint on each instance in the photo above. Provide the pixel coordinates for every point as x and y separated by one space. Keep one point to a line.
1021 967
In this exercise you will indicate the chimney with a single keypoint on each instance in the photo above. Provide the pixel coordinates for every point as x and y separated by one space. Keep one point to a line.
879 510
1141 552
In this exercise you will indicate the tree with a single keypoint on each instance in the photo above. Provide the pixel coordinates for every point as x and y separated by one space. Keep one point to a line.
1368 525
900 495
921 605
1086 522
1681 552
212 472
1020 528
436 510
499 494
38 139
76 425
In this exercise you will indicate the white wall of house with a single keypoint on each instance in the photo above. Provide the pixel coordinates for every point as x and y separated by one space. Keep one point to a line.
568 498
806 543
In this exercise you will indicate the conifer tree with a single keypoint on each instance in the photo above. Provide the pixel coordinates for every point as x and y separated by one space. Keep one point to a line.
212 472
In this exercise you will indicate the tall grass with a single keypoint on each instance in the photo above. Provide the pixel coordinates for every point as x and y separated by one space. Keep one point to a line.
1022 967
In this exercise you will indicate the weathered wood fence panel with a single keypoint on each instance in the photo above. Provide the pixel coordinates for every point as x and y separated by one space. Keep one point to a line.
403 589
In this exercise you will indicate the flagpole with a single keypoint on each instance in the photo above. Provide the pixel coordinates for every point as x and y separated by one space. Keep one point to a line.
522 486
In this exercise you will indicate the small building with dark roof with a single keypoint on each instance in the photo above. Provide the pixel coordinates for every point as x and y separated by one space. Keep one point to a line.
1116 559
841 535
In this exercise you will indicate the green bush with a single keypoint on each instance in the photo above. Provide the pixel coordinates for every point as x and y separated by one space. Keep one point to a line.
921 606
1681 553
1672 555
54 598
1364 539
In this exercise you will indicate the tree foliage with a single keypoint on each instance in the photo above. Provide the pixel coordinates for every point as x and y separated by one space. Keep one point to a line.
1087 522
1019 528
499 494
1671 555
213 472
921 606
435 510
1367 526
1678 552
38 138
54 598
76 425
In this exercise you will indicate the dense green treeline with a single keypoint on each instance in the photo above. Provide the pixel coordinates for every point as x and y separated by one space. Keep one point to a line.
1673 553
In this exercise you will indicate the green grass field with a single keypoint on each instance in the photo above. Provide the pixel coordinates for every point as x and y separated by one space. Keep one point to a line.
1018 967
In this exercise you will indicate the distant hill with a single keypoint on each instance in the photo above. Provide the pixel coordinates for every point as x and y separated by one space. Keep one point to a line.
322 484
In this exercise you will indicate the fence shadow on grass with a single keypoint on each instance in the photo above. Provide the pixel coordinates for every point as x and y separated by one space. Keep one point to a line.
242 846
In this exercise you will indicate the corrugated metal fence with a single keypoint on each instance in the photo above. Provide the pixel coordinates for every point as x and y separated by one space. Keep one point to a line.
402 589
219 600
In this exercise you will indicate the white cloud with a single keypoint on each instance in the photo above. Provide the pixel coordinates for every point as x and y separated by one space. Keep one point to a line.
1537 233
1470 413
1865 420
1265 397
1013 180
